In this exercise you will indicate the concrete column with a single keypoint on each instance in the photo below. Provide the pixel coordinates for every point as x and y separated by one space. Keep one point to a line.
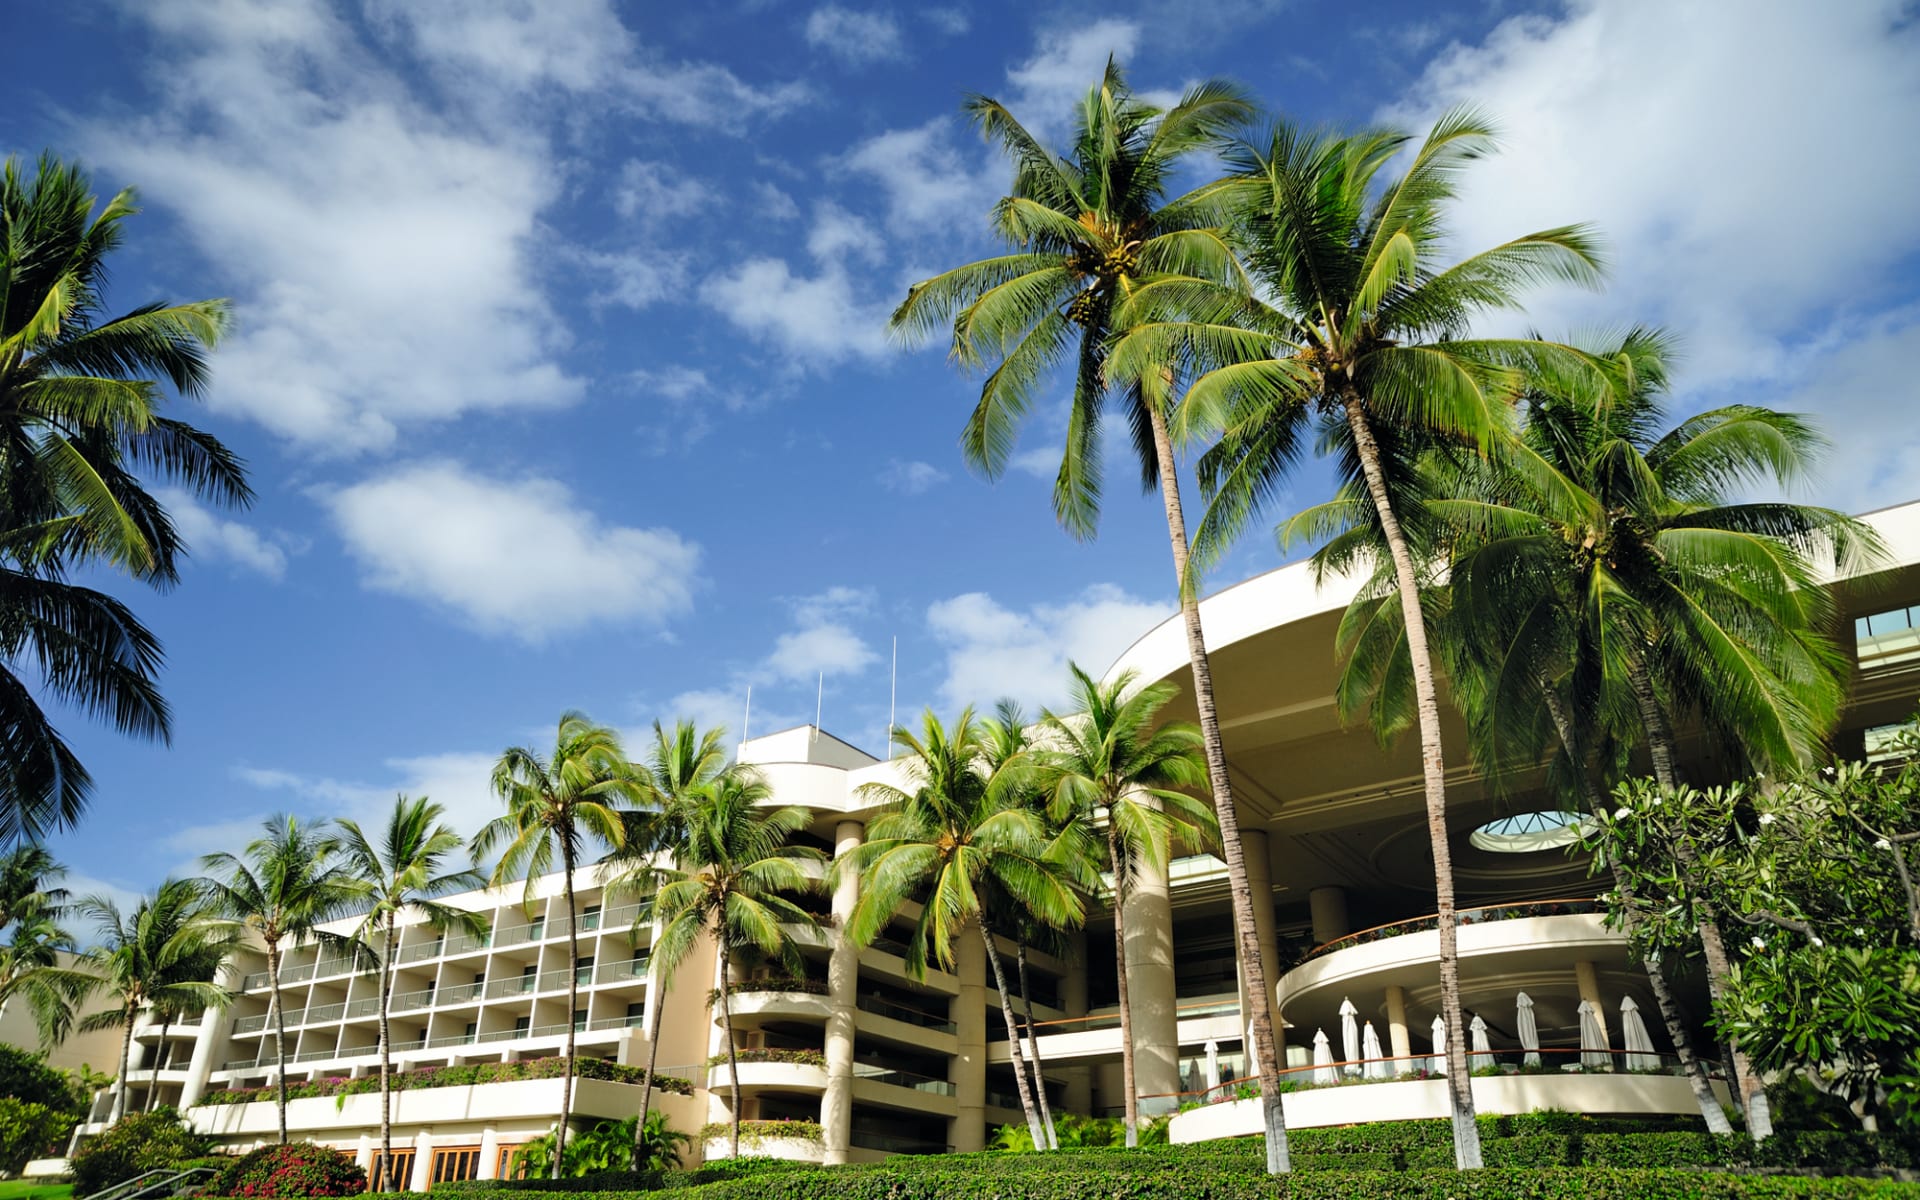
363 1156
210 1046
1399 1045
969 1070
489 1153
1328 906
843 981
1150 988
422 1176
1260 886
1078 1079
1587 978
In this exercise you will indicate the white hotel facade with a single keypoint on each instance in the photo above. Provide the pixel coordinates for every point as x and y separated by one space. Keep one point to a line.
1338 863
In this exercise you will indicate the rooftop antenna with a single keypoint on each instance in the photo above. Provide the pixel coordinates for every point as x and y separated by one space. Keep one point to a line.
747 716
819 695
893 694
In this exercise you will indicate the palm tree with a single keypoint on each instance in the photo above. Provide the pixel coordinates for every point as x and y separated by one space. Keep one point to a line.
1085 234
735 876
171 1006
557 805
282 887
1108 765
1603 577
1358 325
957 838
82 432
138 956
32 909
404 873
679 766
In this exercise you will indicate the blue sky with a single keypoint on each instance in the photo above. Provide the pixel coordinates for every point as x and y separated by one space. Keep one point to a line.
560 361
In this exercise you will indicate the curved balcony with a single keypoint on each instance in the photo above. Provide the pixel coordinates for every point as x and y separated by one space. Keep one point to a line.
757 1145
799 1071
753 1008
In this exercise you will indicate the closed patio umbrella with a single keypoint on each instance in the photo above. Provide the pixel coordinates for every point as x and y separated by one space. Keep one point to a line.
1323 1071
1529 1029
1593 1040
1633 1031
1349 1036
1377 1065
1482 1056
1213 1066
1439 1045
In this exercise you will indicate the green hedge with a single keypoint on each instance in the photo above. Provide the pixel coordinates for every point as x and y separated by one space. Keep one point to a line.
461 1076
1059 1177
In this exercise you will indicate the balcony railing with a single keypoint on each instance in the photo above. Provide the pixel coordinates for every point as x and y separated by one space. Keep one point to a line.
1466 916
632 1021
905 1079
997 1029
900 1012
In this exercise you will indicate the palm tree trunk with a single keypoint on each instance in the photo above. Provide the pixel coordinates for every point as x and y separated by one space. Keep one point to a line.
1690 1064
1246 935
1033 1048
1034 1128
726 1030
653 1058
126 1059
1749 1091
387 1180
159 1053
1131 1113
1466 1134
277 1014
573 1002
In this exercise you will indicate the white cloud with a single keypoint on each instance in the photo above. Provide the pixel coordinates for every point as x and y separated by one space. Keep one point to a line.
837 235
516 557
673 382
1042 462
215 539
911 478
817 319
1668 127
951 21
458 781
380 254
928 182
823 641
655 191
633 278
993 651
773 204
1859 386
855 37
1067 61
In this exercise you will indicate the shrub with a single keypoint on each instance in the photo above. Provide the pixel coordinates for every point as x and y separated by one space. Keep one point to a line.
772 1054
138 1142
28 1131
26 1076
754 1132
295 1169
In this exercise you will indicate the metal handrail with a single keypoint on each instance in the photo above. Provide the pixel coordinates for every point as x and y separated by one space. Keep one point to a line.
905 1079
1463 916
125 1188
902 1012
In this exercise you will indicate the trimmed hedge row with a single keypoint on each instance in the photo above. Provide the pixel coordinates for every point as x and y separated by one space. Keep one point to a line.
1058 1177
462 1076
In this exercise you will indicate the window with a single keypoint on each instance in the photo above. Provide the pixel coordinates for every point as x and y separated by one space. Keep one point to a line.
536 929
402 1171
455 1163
584 975
469 1033
636 1013
529 976
590 919
505 1167
1522 833
579 1020
522 1024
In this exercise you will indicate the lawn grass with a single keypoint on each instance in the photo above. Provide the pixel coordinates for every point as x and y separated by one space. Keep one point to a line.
34 1189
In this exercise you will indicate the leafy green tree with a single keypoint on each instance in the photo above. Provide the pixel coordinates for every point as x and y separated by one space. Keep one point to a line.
139 959
678 766
1358 327
557 806
951 840
82 432
734 883
1109 767
36 948
281 888
142 1142
406 871
650 1145
1086 232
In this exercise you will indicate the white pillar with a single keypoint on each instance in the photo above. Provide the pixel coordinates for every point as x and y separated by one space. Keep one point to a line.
969 1070
422 1176
1150 989
1260 887
1400 1045
1078 1078
1328 908
1587 977
843 979
489 1153
210 1044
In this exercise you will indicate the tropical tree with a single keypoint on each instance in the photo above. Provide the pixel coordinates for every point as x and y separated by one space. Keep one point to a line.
138 956
82 434
734 883
557 806
404 872
37 944
280 889
950 841
1085 233
1109 766
1356 325
679 765
171 1006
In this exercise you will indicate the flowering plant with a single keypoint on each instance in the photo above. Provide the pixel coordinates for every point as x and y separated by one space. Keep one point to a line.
295 1169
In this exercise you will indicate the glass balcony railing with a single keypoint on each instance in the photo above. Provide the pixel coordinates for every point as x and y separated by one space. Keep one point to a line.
1466 916
906 1079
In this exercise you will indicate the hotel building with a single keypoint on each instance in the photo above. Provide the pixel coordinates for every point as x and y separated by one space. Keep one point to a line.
884 1062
